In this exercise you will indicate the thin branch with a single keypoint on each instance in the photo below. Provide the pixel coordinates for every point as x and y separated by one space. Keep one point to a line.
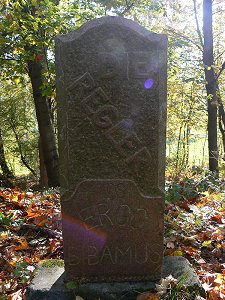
197 24
179 34
219 55
128 8
220 71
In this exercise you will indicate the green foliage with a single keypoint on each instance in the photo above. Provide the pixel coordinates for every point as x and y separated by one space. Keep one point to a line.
21 272
19 125
51 263
211 183
181 190
28 29
71 285
5 219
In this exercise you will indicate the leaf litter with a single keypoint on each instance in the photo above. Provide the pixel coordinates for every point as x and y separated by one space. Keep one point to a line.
30 231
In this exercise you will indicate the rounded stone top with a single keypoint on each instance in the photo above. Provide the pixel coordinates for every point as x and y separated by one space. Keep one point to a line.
114 21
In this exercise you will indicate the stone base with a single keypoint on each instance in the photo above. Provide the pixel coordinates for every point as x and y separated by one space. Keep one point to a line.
48 283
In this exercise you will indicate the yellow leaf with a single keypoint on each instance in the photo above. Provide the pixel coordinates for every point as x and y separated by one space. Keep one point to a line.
206 243
4 234
220 279
178 253
17 80
21 244
12 262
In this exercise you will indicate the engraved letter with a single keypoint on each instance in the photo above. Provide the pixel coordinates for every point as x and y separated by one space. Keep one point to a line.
73 259
94 101
155 251
139 218
107 254
123 215
140 64
101 118
104 215
124 254
85 82
125 141
140 257
87 214
109 65
142 156
92 256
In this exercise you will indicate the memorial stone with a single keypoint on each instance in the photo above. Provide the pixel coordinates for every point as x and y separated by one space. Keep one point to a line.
111 90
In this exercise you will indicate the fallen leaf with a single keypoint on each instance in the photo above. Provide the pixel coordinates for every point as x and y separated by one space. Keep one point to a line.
178 253
219 279
18 295
201 261
217 218
148 296
170 245
21 244
4 234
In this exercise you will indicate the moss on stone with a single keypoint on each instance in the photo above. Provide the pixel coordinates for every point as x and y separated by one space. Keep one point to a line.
51 263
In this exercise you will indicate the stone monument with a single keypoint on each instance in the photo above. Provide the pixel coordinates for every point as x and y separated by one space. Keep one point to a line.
111 87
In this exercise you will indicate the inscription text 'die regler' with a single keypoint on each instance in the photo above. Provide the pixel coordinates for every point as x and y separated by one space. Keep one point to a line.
105 116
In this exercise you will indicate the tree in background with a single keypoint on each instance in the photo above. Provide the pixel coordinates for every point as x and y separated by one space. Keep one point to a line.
24 49
212 69
18 125
28 29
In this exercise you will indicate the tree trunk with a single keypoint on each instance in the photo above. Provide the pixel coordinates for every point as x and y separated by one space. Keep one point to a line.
43 173
210 85
5 170
46 131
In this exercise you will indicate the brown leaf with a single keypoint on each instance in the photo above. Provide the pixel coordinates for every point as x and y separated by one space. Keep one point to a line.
217 218
20 244
148 296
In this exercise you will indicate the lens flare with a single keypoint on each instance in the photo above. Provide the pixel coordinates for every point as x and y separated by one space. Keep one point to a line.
148 83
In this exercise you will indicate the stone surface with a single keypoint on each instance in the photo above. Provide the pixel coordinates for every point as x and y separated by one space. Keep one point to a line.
48 284
111 89
181 269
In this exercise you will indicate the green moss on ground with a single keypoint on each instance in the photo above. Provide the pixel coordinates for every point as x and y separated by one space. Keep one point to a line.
51 263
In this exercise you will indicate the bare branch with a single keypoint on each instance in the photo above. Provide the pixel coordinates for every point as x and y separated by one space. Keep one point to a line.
220 71
128 8
179 34
197 24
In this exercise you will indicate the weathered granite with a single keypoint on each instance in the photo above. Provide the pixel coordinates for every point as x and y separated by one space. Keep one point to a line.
111 90
181 269
48 283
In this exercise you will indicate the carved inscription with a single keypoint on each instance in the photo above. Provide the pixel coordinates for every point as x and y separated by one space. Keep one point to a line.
116 206
113 216
106 116
111 90
100 215
128 254
126 65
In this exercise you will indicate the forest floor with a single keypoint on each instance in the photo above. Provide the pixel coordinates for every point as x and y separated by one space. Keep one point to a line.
30 231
